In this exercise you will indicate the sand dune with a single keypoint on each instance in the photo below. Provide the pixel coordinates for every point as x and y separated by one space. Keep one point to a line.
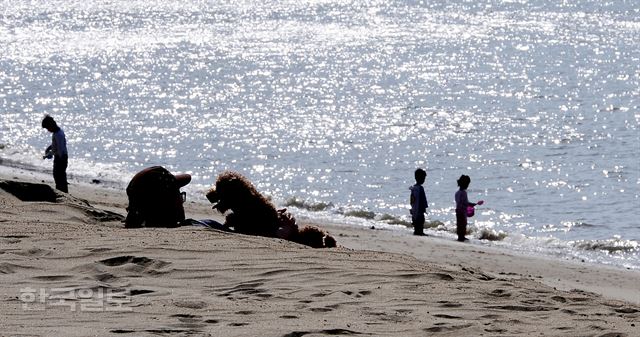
69 268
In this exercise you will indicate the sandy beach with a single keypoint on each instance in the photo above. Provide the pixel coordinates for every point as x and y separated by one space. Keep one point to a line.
68 267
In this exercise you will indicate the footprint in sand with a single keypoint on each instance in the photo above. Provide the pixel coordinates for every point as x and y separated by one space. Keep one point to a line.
186 318
34 252
522 308
321 309
53 278
169 331
10 268
447 316
245 312
245 290
137 264
447 304
500 293
289 317
443 327
121 331
141 261
98 249
331 332
136 292
363 293
12 239
357 295
441 276
191 304
105 277
496 330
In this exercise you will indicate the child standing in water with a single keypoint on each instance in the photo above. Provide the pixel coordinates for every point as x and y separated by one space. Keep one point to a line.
418 202
462 203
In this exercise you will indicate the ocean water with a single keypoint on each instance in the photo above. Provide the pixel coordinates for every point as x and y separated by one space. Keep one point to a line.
329 107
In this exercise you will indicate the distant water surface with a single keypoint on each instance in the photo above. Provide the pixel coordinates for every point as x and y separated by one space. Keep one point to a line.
329 106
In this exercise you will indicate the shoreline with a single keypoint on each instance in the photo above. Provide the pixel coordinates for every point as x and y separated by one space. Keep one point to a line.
559 273
191 280
527 246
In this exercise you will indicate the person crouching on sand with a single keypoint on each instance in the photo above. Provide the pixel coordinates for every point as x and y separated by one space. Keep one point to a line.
155 199
58 151
462 203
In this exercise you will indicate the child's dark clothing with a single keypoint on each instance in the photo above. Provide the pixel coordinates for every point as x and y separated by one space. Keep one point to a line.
418 208
462 202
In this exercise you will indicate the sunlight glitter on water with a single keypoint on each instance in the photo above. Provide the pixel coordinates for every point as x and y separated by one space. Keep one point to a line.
337 102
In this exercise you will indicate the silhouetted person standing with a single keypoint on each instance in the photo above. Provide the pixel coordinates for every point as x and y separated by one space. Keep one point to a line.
418 202
58 151
462 206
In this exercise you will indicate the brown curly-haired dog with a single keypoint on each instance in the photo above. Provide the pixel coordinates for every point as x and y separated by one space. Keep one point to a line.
254 214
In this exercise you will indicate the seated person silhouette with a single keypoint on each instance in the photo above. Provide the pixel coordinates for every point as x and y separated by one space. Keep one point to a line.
155 199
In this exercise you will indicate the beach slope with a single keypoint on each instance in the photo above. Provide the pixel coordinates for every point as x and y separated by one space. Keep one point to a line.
68 267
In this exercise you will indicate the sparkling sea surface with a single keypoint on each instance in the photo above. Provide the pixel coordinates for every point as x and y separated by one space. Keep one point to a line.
329 107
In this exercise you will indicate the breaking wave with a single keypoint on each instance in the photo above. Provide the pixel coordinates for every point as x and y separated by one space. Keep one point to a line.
491 234
610 246
306 205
